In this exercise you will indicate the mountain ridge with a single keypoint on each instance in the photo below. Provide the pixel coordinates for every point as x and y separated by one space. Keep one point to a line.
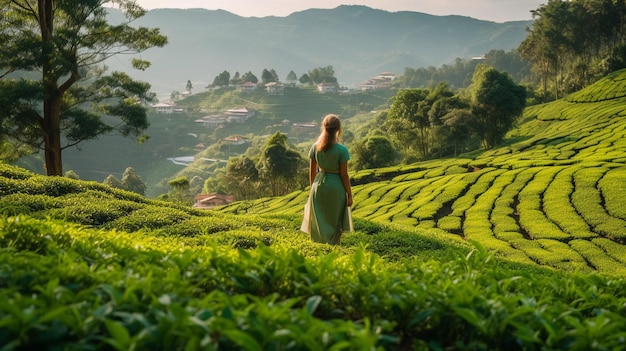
358 41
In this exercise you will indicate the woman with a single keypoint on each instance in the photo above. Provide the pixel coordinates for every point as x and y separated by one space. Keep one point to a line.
327 212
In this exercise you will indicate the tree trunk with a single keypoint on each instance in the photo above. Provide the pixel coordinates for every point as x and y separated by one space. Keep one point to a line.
51 123
52 136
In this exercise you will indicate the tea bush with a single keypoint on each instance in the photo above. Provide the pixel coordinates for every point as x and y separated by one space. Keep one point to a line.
95 289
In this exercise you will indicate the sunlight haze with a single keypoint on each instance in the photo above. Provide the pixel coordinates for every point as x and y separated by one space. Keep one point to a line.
491 10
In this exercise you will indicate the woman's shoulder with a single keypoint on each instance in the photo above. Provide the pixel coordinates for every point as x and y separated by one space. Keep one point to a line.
341 147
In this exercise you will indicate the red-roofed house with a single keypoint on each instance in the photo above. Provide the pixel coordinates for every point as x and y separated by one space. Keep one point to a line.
209 201
239 115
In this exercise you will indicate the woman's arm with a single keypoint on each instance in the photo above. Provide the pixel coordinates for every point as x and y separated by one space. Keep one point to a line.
345 180
312 171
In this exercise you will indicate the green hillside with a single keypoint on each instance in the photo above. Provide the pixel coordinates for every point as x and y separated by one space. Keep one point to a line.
175 135
519 248
554 196
84 266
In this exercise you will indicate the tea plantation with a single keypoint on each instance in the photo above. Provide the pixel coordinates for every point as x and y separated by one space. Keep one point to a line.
555 196
517 248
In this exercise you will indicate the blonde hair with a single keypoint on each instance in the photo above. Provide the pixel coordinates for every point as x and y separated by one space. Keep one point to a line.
330 132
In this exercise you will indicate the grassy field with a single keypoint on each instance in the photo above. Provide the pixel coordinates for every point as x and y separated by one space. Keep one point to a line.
518 248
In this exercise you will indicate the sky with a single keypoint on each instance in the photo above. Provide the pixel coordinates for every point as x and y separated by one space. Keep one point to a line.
490 10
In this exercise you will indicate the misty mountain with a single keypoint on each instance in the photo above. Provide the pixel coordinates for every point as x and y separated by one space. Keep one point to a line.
358 41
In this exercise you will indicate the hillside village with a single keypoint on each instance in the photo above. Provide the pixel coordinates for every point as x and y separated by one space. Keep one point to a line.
382 80
242 115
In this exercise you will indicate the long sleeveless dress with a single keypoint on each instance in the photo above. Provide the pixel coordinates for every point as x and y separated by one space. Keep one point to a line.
326 215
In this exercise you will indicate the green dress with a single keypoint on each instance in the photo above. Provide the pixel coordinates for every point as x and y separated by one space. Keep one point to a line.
326 215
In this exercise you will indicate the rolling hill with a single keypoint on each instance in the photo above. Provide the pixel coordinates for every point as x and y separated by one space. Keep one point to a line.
358 41
555 195
516 248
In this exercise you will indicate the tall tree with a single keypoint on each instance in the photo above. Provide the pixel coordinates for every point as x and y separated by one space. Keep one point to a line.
241 177
236 79
292 78
266 76
408 111
374 152
279 165
222 79
573 43
496 103
305 79
323 75
180 191
274 76
60 45
249 77
448 117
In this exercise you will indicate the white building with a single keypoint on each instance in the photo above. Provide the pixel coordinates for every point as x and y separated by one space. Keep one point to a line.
164 107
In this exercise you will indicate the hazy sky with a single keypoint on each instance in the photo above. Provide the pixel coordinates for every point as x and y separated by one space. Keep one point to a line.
492 10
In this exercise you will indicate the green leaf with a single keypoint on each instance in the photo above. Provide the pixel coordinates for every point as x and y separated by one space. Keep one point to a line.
119 333
243 339
312 303
470 316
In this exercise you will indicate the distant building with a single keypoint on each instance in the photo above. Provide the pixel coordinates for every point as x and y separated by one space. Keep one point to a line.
239 115
209 201
236 140
327 88
274 88
164 107
247 87
214 121
382 80
388 76
304 128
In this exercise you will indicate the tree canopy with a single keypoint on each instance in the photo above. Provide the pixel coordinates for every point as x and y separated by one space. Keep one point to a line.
573 43
58 49
496 103
279 165
374 152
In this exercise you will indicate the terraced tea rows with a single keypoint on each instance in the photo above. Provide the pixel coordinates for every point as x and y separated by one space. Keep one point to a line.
556 196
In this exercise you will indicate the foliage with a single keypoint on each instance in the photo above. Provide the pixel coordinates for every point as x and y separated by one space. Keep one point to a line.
113 182
407 120
74 287
496 103
373 152
459 75
517 247
130 181
241 178
249 77
321 75
65 45
279 166
221 80
180 191
291 78
133 182
573 43
268 76
551 195
435 122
